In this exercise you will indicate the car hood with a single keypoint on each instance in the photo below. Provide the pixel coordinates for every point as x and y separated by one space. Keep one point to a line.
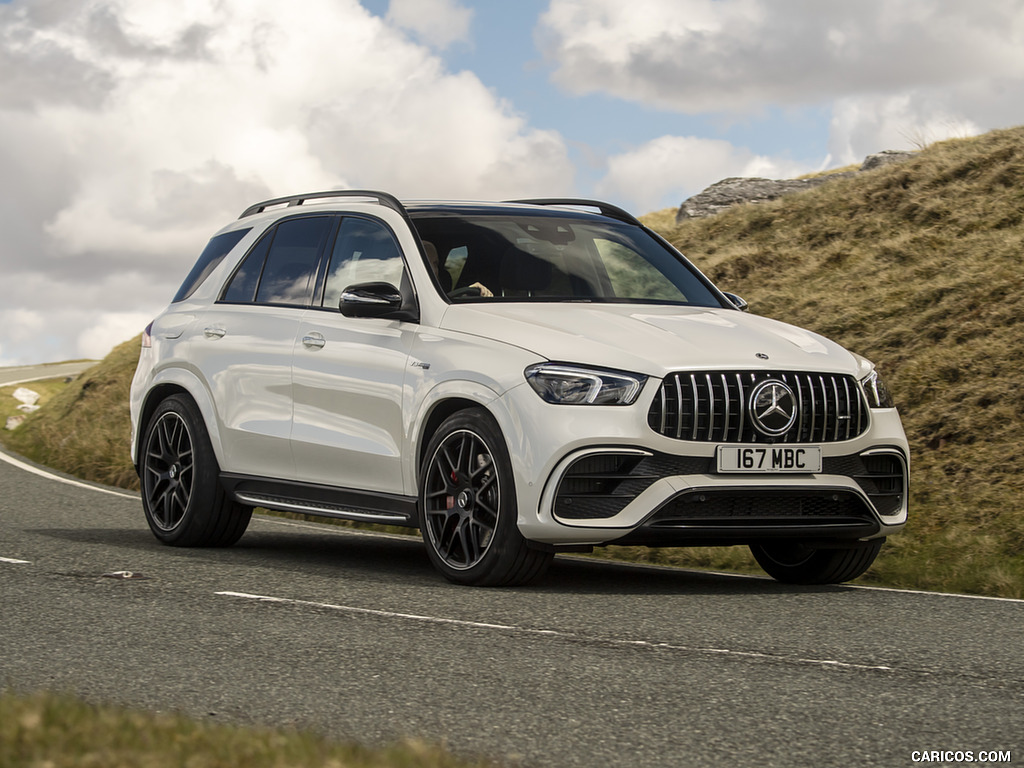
652 340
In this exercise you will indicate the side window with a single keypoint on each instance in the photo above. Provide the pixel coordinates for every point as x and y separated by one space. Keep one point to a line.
212 255
280 269
291 264
364 252
242 287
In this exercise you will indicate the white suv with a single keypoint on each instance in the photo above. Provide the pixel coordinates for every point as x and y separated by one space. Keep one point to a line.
514 379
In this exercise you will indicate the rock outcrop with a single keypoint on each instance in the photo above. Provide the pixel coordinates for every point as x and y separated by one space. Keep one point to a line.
725 194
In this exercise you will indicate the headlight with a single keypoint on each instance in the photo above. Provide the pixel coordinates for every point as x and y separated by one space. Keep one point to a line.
878 394
569 385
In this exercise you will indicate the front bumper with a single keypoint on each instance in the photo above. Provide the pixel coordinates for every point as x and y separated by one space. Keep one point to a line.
598 475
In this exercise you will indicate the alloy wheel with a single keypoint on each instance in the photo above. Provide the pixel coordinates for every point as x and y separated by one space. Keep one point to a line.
169 465
461 499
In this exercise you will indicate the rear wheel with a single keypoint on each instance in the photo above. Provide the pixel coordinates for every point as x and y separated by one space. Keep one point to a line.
795 563
468 506
183 499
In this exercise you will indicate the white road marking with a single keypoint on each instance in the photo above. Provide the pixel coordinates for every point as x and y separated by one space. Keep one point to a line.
552 633
36 471
13 561
933 594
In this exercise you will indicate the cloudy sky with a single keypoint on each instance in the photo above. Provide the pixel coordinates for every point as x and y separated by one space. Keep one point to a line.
130 130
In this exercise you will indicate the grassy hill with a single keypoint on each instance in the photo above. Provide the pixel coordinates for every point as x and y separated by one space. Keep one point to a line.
918 266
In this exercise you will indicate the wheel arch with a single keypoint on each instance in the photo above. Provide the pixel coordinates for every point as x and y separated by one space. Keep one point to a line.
440 411
175 383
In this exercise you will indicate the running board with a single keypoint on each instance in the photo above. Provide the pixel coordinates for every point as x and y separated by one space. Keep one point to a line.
322 501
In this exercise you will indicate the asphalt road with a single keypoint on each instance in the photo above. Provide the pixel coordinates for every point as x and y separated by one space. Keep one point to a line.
26 373
598 665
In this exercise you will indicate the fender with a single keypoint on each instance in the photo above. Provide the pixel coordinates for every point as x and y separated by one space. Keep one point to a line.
175 378
418 420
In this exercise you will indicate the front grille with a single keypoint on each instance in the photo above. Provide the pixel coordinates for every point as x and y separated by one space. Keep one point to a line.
715 406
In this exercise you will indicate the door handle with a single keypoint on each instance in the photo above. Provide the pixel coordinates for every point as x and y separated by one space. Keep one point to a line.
313 341
213 332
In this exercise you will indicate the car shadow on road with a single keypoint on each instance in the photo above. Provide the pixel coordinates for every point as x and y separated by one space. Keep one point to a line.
398 560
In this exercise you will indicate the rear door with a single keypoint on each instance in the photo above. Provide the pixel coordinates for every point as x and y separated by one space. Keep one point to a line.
244 347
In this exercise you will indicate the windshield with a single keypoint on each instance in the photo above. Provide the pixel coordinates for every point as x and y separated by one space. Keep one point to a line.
546 258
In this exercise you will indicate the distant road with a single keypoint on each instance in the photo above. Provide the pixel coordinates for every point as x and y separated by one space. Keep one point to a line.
26 373
599 665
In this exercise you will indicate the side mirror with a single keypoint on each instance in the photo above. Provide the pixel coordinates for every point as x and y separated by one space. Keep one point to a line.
737 302
375 300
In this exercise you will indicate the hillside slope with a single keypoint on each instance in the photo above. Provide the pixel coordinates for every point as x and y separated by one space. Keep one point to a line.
919 267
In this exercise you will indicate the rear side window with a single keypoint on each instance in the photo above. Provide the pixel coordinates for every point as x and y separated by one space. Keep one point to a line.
281 268
212 255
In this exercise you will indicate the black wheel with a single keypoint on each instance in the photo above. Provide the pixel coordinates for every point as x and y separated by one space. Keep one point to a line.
182 496
795 563
468 506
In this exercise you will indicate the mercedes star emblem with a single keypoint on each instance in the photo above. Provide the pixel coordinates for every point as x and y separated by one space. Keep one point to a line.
773 408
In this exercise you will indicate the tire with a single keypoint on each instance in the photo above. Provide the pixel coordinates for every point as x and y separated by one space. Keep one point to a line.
467 506
184 502
795 563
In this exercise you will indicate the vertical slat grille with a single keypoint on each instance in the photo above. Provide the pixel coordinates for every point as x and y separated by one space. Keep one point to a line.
715 407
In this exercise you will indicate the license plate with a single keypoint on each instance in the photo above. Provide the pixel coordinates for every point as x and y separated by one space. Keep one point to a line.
769 458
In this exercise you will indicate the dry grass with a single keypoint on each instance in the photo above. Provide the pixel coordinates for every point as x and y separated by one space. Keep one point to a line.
59 731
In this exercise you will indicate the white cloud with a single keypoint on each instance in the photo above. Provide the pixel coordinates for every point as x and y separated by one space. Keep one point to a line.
132 130
107 330
863 125
668 170
715 55
438 23
889 68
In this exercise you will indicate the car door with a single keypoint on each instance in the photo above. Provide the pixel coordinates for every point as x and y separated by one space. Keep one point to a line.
244 349
348 373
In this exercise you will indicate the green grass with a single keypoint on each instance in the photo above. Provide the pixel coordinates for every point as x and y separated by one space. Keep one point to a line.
918 266
46 730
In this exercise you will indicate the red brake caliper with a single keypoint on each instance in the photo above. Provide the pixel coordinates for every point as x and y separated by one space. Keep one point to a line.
450 500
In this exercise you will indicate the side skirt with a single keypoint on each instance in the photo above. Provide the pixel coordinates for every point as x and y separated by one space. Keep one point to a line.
322 500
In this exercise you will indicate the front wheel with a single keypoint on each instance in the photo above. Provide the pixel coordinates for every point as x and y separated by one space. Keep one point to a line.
795 563
468 507
184 502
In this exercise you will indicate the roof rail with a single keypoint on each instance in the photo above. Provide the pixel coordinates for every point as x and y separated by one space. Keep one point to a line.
383 198
606 209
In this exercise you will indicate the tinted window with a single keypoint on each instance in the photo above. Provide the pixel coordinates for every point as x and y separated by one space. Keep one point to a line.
242 287
291 264
212 255
282 266
364 252
548 258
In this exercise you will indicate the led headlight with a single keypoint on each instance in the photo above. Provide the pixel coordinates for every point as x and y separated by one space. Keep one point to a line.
878 394
569 385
